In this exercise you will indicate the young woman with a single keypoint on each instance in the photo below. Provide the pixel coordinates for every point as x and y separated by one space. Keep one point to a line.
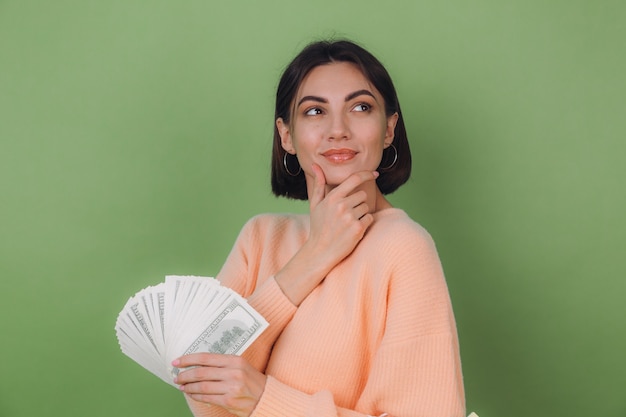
360 317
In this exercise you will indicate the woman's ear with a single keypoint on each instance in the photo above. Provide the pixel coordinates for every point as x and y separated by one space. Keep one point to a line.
391 128
285 136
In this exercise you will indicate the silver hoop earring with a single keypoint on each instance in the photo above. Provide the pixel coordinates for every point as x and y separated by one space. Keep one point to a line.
395 159
287 167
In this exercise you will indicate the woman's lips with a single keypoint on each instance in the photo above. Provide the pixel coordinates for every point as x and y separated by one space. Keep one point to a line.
339 155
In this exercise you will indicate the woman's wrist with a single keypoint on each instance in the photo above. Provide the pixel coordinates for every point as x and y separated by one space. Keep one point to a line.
303 273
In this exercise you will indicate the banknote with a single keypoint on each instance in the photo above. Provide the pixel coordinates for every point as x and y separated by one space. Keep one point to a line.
183 315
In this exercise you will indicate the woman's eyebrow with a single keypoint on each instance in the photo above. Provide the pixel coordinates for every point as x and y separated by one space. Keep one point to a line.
312 98
348 97
359 93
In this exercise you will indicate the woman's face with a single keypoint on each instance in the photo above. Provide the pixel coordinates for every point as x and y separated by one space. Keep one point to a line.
338 122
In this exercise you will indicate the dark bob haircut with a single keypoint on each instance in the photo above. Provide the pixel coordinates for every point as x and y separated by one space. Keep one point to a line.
322 53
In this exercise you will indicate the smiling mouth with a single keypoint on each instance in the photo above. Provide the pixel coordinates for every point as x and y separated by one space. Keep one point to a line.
339 155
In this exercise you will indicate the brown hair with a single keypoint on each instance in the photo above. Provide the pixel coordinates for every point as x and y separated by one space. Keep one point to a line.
322 53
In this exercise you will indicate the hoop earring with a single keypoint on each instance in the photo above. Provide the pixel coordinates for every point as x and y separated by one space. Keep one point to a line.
395 159
287 167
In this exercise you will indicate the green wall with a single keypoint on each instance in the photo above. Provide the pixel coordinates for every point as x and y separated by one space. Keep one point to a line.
134 143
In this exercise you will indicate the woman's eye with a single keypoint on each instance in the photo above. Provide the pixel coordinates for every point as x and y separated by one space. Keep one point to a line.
313 112
362 107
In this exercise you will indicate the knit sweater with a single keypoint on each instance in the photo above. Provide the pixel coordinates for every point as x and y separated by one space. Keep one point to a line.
376 336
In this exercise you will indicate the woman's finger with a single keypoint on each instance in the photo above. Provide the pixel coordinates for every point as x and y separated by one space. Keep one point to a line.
204 388
203 373
355 199
352 182
319 186
206 359
360 211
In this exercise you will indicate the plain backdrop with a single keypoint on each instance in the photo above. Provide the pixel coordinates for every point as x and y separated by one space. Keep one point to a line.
135 139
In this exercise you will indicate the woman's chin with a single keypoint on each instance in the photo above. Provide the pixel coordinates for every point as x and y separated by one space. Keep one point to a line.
337 175
336 178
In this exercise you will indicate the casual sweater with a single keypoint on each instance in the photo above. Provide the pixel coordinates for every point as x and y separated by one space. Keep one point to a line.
376 336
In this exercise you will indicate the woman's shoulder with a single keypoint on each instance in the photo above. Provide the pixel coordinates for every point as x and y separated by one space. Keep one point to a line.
274 219
276 223
405 247
394 229
396 222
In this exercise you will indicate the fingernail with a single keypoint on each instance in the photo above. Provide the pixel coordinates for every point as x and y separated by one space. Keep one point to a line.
175 362
181 387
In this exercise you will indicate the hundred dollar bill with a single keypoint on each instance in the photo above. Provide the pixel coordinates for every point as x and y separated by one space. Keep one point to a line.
236 327
185 315
231 332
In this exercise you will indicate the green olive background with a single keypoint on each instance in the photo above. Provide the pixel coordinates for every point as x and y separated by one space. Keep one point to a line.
135 142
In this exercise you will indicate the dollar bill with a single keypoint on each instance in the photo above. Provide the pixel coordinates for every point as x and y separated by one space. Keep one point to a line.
185 315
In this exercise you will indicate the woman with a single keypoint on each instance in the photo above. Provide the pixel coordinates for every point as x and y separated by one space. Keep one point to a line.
360 317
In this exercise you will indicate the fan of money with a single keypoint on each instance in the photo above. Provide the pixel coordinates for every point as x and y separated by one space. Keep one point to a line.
183 315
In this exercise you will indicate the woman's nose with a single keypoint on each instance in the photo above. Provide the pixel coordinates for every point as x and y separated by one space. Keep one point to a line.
338 128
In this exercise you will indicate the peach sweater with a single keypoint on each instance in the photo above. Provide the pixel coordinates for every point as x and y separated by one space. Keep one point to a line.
376 336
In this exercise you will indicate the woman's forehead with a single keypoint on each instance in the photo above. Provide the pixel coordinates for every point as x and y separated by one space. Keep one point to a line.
336 77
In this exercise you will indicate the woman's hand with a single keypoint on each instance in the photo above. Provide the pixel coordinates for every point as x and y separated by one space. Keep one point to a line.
340 217
339 220
227 381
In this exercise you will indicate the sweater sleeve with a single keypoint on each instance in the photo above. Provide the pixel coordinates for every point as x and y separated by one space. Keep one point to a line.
241 273
416 369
